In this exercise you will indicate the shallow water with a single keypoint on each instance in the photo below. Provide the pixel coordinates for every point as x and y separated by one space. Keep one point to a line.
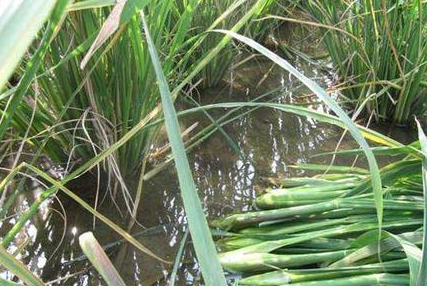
270 141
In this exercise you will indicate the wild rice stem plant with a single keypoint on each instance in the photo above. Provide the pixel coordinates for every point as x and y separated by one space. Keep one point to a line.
115 95
378 40
283 277
267 245
374 279
250 262
240 220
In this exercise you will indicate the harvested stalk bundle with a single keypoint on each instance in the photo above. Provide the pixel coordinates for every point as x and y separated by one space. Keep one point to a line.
324 229
281 277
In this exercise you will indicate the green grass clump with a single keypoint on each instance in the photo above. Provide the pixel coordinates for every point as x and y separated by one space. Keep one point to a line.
90 91
379 49
207 12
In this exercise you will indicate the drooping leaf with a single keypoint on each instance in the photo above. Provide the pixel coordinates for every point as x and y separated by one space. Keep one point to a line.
120 14
322 94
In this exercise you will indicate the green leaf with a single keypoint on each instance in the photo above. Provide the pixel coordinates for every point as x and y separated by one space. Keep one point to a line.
414 259
90 4
202 240
19 24
19 269
422 277
378 151
172 277
32 66
130 9
99 259
4 282
339 169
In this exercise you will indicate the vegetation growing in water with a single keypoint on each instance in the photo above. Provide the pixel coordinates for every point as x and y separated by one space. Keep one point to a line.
87 100
100 93
379 49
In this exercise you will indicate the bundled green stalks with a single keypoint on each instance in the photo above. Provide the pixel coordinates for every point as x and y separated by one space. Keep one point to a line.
324 229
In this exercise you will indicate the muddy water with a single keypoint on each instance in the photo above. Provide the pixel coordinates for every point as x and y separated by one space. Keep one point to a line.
270 141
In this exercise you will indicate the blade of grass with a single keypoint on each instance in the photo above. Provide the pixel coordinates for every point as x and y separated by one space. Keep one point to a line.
9 283
339 169
172 278
19 23
32 66
90 4
19 269
422 277
414 258
99 259
202 240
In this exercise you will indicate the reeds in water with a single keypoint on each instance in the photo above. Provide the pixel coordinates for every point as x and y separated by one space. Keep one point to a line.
90 90
379 49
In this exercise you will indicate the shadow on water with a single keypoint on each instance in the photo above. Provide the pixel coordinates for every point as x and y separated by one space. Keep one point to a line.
270 141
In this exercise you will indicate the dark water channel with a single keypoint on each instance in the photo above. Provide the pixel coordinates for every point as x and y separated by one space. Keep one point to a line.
270 141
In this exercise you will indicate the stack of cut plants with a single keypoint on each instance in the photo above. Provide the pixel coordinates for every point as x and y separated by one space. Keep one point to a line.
330 229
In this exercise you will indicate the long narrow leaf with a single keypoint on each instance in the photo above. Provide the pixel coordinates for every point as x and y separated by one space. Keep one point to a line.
99 259
203 243
19 22
19 269
32 66
422 276
90 4
414 259
4 282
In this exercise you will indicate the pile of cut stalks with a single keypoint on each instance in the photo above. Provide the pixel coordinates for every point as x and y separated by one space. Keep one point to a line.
324 230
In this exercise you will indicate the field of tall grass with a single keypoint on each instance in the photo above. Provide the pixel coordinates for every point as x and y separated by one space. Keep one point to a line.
379 50
90 85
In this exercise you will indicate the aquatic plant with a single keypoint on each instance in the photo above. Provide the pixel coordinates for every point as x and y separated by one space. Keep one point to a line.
379 50
208 11
104 138
54 96
88 94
